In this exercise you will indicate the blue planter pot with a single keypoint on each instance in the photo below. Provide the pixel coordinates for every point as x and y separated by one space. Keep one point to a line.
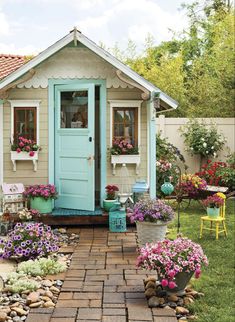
213 212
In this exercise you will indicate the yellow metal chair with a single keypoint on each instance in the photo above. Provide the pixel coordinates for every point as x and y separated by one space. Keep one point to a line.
219 220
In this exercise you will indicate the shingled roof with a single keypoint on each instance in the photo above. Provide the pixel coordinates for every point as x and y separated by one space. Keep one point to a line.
9 63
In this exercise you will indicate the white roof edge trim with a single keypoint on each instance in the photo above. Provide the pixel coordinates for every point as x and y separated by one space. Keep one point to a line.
96 49
37 60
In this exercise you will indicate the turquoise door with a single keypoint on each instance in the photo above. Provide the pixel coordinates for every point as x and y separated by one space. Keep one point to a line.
74 146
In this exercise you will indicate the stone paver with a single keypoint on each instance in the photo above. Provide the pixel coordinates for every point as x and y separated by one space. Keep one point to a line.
102 283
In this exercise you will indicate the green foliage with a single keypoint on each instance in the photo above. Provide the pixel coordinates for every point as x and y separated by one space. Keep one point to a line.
166 169
201 139
228 176
196 67
17 283
167 151
41 267
231 160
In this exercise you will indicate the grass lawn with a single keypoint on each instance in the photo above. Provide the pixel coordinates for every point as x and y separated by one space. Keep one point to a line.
217 280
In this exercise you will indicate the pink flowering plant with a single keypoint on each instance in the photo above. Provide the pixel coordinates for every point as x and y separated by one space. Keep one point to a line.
28 241
151 210
122 146
25 145
45 191
214 201
168 258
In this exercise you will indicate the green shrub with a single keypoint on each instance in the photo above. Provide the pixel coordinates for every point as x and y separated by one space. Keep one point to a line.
41 267
202 139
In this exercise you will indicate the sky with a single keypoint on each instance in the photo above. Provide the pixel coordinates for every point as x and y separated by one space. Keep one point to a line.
30 26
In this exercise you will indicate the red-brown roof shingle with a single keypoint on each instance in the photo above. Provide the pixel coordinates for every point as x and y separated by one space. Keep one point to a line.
9 63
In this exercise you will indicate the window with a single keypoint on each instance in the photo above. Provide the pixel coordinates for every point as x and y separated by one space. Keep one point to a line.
125 124
125 120
25 119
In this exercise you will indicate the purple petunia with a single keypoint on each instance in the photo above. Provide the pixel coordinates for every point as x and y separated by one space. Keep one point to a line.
29 241
151 210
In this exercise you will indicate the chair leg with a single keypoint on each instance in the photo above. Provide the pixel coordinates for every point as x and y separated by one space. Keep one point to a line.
225 230
217 231
201 229
211 227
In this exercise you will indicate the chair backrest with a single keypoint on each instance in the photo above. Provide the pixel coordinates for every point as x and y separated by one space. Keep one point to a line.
222 211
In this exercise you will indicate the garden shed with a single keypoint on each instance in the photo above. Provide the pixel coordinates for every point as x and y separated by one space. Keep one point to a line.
74 99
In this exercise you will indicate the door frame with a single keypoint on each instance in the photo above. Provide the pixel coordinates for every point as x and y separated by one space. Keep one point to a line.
51 128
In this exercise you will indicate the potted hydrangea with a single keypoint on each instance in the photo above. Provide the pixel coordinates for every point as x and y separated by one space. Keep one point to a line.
213 204
151 217
110 200
41 197
174 262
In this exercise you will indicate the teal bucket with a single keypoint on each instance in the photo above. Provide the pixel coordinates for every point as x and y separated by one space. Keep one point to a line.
44 206
213 212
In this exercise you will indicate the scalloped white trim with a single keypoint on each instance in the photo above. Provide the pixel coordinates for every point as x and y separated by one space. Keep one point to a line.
71 63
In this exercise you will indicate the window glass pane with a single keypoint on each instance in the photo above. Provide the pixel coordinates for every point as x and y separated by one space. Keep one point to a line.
129 116
125 124
25 123
119 130
118 116
74 109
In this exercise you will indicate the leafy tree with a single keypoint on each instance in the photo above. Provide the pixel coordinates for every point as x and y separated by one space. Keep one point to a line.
195 68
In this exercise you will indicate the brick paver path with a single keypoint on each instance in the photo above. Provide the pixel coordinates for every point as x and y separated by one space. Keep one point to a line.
102 283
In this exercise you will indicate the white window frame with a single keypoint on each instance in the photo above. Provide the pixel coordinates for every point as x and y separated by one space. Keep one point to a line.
125 104
25 103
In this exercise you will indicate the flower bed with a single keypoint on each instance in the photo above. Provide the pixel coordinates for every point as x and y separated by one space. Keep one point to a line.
29 240
30 287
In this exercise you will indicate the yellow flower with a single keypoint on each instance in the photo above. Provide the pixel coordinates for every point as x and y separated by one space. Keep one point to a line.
221 195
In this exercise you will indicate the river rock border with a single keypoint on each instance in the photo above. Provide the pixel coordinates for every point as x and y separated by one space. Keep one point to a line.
158 298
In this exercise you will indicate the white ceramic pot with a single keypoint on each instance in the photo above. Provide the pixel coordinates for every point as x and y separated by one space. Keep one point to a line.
149 232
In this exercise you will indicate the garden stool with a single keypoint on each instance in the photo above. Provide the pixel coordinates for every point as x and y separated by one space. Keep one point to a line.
219 220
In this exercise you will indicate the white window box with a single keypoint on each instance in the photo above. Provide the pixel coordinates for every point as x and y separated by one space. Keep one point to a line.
24 156
126 159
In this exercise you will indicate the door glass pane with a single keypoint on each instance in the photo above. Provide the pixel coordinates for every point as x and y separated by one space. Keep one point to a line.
74 109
